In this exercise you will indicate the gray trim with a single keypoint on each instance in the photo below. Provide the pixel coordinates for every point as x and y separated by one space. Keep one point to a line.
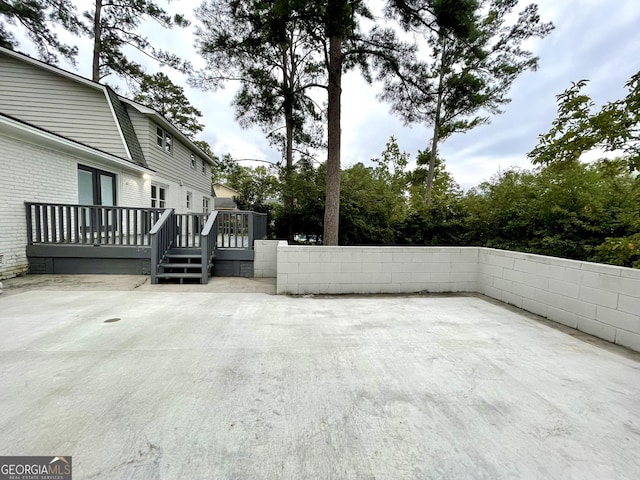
233 254
83 251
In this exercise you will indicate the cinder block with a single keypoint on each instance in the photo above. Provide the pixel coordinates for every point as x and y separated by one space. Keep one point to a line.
564 288
424 277
392 267
619 284
368 267
288 268
512 299
618 319
628 339
536 281
522 289
351 267
421 256
440 277
550 271
515 275
400 277
492 270
309 289
597 329
524 265
581 277
562 316
599 296
629 304
534 306
491 291
402 257
293 255
440 257
502 284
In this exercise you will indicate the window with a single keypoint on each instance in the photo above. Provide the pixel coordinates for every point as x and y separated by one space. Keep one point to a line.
158 197
193 161
96 187
205 205
188 200
164 140
203 167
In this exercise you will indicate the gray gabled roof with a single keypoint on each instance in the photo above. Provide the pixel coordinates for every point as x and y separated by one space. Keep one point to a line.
128 132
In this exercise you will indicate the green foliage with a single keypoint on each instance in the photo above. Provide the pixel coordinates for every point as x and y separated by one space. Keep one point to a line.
160 93
476 54
261 45
257 187
114 26
623 251
38 19
564 211
578 130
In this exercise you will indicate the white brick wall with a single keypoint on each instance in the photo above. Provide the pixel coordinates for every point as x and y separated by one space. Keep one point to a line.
29 173
265 261
601 300
344 270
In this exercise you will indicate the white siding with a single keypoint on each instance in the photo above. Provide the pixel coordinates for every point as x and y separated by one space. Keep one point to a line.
35 174
56 103
174 169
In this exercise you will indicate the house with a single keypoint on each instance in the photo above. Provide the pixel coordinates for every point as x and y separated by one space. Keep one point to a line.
72 142
225 197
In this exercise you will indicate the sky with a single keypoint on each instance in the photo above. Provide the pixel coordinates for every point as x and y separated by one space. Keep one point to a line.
597 40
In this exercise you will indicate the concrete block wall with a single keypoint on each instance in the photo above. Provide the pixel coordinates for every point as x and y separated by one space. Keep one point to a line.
602 300
343 270
265 260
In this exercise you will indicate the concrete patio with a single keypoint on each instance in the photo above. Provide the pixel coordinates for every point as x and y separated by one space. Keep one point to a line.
228 381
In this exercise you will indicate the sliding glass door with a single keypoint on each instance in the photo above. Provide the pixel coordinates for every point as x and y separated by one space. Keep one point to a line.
96 187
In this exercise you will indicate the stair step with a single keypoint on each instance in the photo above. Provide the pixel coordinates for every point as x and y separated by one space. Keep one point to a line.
179 275
183 255
188 250
180 265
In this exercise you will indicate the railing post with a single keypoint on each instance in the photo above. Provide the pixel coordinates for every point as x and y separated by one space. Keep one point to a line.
251 231
29 223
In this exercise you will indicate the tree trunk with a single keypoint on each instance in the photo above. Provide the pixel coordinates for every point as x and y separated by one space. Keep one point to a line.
289 202
436 127
287 81
332 205
97 39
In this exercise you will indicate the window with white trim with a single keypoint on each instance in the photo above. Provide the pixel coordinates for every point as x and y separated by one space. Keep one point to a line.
205 205
189 195
158 196
193 161
203 167
164 140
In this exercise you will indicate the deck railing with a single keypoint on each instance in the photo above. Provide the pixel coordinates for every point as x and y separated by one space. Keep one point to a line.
238 229
49 223
209 243
163 236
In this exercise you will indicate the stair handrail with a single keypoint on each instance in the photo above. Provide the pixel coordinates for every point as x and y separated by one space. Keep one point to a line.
208 243
163 236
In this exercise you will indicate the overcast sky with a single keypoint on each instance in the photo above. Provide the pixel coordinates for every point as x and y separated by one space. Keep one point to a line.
598 40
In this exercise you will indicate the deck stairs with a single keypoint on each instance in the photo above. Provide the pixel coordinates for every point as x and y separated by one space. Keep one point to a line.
184 265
